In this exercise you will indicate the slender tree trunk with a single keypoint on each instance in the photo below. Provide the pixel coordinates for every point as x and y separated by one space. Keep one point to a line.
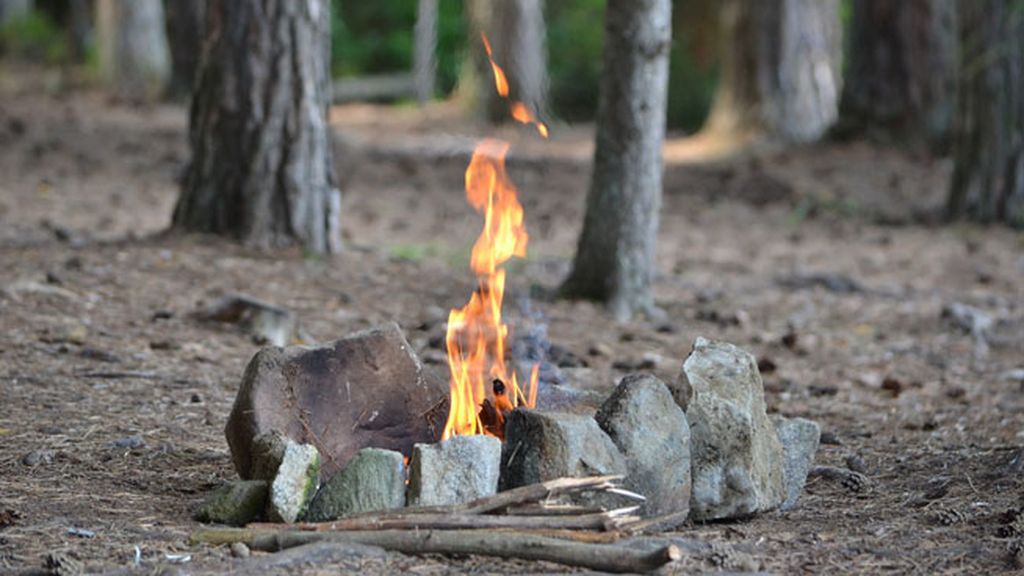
12 9
988 176
475 88
79 29
134 56
901 72
780 69
186 22
615 257
518 36
425 50
261 167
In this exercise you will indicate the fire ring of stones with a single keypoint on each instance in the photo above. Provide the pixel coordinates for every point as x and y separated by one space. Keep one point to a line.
351 427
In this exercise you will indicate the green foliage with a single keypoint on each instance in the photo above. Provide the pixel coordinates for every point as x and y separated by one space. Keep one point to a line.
575 39
33 37
377 38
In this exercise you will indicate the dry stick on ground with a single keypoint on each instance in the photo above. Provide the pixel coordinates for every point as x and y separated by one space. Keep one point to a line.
603 557
440 521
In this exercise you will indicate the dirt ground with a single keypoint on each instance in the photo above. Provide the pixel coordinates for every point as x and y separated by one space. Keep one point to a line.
824 261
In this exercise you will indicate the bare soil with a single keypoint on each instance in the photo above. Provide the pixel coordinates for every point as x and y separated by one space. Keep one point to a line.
825 262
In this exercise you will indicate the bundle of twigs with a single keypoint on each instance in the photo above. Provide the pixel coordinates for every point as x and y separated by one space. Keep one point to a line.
524 523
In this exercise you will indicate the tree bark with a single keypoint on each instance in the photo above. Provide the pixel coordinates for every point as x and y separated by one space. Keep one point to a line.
519 48
780 69
186 22
261 168
901 74
425 50
615 257
134 56
988 175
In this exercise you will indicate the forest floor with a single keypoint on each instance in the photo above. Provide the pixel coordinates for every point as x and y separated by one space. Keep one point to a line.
824 262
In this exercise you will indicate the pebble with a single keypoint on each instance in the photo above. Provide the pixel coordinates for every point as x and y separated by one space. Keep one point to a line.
239 550
37 457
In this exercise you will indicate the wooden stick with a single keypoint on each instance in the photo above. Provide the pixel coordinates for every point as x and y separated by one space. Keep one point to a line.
522 495
542 509
435 521
603 557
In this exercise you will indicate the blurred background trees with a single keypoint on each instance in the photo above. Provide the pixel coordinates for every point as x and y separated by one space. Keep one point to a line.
942 74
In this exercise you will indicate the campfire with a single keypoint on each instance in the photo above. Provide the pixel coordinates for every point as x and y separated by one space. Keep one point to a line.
483 389
339 441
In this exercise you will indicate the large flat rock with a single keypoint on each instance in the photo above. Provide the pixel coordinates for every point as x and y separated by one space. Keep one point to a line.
737 459
366 390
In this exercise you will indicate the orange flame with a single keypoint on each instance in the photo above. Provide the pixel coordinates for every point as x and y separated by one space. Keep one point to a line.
520 113
476 333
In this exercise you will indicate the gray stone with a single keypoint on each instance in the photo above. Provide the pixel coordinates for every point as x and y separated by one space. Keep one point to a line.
296 482
653 435
266 322
736 455
541 446
267 455
235 503
367 390
799 438
373 480
459 469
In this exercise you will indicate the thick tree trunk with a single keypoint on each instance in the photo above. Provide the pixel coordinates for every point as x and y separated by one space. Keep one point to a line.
425 50
988 177
780 69
518 35
615 258
261 167
186 22
133 52
901 72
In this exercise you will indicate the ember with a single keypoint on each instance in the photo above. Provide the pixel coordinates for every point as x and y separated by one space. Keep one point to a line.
476 332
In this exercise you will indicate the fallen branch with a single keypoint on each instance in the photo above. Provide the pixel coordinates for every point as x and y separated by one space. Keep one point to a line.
603 557
538 492
439 521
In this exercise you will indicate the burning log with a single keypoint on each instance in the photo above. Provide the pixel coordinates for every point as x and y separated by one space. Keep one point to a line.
523 546
494 414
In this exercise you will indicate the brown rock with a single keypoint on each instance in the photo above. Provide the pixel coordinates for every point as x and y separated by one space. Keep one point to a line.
366 390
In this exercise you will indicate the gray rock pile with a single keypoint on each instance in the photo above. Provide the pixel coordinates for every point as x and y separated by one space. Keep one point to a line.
703 448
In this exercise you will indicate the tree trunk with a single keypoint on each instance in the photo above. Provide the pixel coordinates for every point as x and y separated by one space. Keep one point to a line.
186 21
79 29
988 176
615 257
518 38
780 69
475 88
13 9
261 167
134 56
425 50
901 74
